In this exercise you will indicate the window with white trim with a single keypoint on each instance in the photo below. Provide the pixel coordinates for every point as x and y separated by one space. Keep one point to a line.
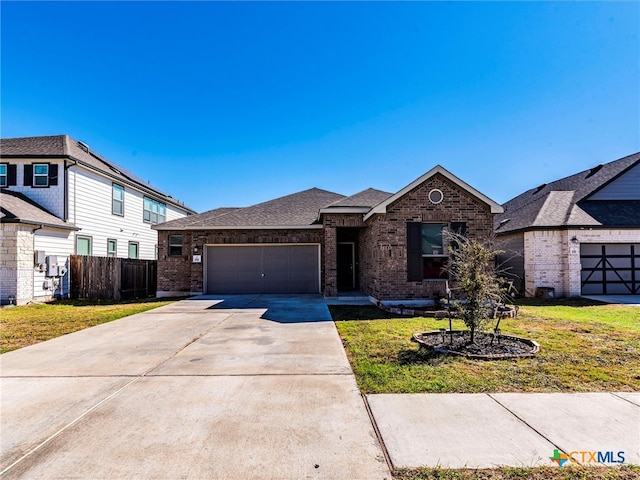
134 250
83 245
154 211
3 175
117 199
41 175
434 256
112 247
175 245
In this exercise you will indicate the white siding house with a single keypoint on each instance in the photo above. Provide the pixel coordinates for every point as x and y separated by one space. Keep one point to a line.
101 210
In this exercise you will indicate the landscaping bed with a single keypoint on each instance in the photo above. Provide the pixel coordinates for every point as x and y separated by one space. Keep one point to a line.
584 347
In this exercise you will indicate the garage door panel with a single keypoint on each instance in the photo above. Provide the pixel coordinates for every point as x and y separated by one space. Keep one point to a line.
610 269
263 269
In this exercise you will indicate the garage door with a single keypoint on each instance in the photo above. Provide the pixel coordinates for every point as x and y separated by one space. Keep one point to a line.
263 269
610 269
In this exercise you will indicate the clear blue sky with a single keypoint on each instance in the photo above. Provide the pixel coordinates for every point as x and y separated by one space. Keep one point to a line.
233 103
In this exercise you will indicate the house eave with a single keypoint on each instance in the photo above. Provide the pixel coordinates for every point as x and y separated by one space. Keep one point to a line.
539 228
238 227
38 224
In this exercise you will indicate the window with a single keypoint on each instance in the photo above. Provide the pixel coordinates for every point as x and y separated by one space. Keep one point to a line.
434 258
133 250
41 175
3 175
154 211
112 248
83 245
117 202
175 245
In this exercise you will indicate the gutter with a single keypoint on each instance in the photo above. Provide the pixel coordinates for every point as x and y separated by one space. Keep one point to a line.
244 227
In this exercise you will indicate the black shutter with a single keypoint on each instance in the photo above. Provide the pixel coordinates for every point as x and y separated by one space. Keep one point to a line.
12 175
28 175
414 251
53 174
460 228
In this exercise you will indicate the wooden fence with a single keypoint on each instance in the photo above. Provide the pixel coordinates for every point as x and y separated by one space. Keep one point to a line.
109 278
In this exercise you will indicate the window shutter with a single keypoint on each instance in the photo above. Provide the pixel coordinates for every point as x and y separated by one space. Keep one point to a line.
53 174
414 251
28 175
460 228
12 175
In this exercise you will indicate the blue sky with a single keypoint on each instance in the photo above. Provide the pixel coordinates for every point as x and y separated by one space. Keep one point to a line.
234 103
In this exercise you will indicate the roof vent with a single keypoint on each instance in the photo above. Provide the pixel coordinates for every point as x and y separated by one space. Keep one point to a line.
504 222
594 170
540 188
115 169
84 146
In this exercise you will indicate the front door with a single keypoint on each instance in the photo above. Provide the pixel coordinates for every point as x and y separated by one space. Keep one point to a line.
346 266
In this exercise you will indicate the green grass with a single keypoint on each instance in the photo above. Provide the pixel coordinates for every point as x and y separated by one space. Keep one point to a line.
26 325
584 347
625 472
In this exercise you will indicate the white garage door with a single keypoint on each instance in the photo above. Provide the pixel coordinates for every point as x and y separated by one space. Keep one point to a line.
610 268
263 269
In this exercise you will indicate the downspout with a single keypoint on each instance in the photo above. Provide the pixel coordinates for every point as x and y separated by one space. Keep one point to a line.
33 249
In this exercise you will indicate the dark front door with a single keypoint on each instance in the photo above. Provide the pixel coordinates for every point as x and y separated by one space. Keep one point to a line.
346 266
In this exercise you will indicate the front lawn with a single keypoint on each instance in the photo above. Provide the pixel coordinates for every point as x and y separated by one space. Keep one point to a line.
625 472
25 325
584 347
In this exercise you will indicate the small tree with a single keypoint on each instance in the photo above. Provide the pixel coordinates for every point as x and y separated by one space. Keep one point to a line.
474 276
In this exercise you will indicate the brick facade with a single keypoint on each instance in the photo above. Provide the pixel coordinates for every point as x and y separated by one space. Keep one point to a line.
384 242
178 275
381 241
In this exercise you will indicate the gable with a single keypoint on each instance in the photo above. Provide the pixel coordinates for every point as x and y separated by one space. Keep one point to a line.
438 170
624 187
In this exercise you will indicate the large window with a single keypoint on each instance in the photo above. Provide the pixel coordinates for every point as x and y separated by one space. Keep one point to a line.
154 211
112 248
434 258
117 202
175 245
134 250
41 175
3 175
83 245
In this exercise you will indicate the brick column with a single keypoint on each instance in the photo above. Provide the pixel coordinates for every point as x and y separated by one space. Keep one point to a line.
330 261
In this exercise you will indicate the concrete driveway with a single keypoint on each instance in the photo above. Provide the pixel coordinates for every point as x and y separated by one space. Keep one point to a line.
234 387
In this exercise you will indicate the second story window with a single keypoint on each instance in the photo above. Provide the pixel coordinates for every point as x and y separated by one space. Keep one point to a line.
154 211
41 175
3 175
117 203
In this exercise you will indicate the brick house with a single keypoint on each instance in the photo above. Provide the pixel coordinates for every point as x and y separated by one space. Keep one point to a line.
579 235
58 198
388 246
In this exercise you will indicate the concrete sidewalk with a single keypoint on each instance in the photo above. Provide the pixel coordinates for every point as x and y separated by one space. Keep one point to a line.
233 388
513 429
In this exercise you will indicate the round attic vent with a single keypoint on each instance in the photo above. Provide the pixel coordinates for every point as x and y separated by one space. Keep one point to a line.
436 196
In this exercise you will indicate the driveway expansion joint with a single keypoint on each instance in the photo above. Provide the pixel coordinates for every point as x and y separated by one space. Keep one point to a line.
614 394
376 430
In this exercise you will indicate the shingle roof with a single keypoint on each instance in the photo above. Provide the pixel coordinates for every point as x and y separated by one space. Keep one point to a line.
59 146
18 208
295 210
366 198
566 202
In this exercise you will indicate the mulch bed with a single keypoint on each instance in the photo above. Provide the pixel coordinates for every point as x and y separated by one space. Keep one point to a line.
485 347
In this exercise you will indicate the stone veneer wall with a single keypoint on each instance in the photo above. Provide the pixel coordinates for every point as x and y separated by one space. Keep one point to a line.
180 276
384 242
16 263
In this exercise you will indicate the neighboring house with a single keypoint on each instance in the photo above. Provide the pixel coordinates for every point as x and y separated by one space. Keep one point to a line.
60 198
388 246
579 235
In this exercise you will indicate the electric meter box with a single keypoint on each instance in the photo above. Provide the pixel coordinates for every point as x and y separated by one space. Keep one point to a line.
52 266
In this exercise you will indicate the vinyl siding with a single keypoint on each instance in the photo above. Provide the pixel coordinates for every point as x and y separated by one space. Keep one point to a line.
60 244
625 187
90 196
